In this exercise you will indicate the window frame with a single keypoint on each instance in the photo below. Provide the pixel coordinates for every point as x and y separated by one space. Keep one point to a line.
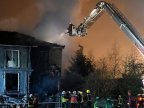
18 81
12 55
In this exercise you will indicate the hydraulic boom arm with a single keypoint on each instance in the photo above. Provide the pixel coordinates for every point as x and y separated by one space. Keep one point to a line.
123 23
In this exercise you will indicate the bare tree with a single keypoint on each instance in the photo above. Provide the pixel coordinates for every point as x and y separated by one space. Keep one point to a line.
114 61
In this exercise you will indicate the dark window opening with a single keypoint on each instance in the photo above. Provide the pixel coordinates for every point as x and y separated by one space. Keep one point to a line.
11 82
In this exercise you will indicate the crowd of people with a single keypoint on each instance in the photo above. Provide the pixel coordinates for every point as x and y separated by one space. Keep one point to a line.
76 99
68 99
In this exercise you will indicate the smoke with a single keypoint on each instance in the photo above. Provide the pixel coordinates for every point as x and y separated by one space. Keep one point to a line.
56 17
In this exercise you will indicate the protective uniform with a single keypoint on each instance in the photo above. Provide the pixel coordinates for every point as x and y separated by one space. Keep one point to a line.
73 99
30 101
120 101
96 103
88 99
64 99
80 99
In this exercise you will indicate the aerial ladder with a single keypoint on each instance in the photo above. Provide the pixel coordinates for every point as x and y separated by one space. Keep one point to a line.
118 17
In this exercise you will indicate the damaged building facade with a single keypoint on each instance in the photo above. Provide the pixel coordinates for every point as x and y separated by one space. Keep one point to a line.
24 60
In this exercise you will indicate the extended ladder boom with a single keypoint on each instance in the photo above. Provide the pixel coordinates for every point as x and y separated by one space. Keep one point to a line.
119 18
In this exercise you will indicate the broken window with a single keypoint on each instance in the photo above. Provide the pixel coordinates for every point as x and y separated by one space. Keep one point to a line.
12 82
12 58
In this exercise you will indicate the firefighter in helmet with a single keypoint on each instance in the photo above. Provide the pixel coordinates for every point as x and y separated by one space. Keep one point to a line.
88 99
64 99
30 101
80 99
73 100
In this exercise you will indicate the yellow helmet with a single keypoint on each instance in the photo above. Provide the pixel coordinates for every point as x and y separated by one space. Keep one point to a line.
87 91
80 92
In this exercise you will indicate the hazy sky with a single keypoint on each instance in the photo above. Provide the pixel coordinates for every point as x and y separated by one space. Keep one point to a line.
105 32
47 19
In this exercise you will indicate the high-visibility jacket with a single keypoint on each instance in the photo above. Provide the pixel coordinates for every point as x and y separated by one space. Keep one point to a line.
63 99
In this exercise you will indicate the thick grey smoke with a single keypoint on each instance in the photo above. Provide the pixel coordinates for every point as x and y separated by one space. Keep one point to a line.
56 17
43 18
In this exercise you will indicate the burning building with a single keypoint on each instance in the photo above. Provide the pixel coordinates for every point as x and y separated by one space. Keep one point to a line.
24 60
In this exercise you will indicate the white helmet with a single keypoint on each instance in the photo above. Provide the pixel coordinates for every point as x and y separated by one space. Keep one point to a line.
63 92
30 95
74 92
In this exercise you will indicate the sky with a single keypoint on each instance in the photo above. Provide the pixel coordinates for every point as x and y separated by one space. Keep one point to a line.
48 20
105 32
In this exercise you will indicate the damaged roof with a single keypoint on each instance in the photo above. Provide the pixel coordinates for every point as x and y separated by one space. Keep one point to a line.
15 38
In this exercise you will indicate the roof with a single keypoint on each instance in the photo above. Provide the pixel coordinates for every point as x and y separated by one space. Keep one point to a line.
15 38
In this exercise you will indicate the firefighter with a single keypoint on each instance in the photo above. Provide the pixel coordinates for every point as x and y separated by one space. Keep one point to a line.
96 102
129 99
88 99
30 101
74 99
64 100
80 99
69 99
120 101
